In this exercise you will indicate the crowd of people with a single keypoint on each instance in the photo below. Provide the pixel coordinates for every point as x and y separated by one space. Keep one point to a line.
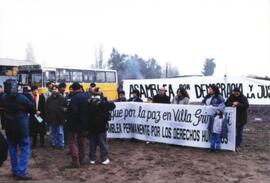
29 116
65 116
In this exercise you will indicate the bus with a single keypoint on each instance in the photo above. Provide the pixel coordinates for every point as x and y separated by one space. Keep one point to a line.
9 68
39 76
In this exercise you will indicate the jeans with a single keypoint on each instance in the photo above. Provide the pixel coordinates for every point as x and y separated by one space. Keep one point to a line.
101 140
239 136
57 135
215 140
19 162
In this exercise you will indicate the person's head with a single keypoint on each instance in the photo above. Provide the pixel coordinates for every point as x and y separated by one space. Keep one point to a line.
121 94
76 87
182 92
162 91
34 90
11 86
96 91
213 90
54 90
149 100
50 85
92 85
121 83
70 89
135 93
236 92
62 87
26 89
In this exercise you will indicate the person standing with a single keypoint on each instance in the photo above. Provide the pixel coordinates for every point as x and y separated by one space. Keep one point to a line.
16 110
76 121
99 115
181 97
54 108
240 102
214 98
37 123
161 97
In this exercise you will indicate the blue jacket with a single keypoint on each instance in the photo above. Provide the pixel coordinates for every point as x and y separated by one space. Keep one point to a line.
216 101
16 109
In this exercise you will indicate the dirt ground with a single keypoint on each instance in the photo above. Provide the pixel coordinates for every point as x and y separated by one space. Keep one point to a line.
141 162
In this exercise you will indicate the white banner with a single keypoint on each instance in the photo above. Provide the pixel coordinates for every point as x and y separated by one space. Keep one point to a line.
257 91
168 123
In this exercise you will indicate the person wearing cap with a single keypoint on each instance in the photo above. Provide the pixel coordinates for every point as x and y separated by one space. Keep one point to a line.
76 120
161 97
240 102
36 126
135 96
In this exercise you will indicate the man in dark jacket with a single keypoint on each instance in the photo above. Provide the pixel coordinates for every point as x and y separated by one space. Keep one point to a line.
16 109
238 100
99 115
77 118
55 116
37 125
161 97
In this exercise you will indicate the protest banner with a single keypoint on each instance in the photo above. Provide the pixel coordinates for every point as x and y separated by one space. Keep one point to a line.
168 123
256 90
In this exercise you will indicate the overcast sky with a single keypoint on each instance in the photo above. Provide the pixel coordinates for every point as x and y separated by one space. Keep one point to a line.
183 32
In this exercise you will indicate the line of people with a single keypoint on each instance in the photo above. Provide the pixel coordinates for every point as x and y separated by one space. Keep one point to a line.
217 126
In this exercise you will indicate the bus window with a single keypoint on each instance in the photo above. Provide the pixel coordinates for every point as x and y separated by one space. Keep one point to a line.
49 76
23 78
110 77
100 77
89 76
36 79
63 75
76 76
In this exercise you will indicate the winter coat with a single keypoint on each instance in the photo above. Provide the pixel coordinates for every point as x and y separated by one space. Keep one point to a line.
35 126
135 99
99 115
77 113
54 109
161 99
178 100
16 109
216 101
241 110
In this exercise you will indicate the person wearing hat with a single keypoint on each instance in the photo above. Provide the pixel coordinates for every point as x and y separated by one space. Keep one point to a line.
135 96
240 102
37 126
